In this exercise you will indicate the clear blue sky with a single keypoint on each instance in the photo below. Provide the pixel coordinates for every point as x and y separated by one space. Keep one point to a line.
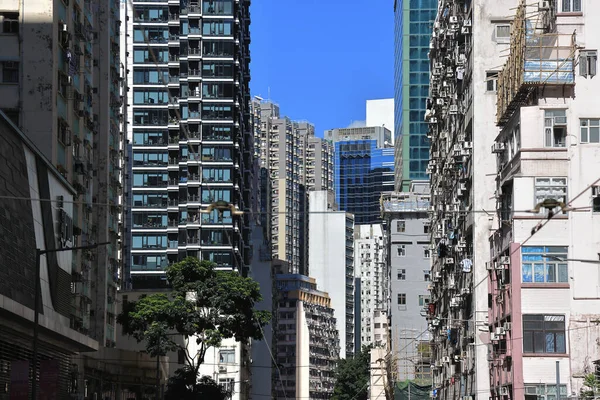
322 59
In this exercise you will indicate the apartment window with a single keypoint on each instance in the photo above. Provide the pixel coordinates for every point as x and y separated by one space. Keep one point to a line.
423 300
588 63
10 72
595 198
401 250
544 391
227 356
400 226
550 188
217 28
227 384
401 274
401 299
426 252
570 6
9 22
544 334
502 33
427 275
542 264
555 128
590 130
491 81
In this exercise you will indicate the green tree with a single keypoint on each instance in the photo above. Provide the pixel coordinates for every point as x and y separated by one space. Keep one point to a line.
591 387
352 377
205 306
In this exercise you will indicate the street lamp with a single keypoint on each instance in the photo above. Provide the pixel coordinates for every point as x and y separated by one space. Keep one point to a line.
36 316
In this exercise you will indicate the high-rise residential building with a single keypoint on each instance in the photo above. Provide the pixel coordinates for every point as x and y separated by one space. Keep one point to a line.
369 269
363 169
407 259
331 261
514 290
37 212
60 83
292 162
189 123
413 21
306 345
380 112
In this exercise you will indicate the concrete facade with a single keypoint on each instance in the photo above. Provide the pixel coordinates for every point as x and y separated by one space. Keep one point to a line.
543 280
331 260
293 162
61 85
369 259
407 258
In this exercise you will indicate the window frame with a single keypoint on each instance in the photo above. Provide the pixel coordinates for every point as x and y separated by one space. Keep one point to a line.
401 226
588 63
537 198
502 39
545 330
585 124
530 259
571 4
491 77
401 299
401 276
230 353
401 250
10 75
550 126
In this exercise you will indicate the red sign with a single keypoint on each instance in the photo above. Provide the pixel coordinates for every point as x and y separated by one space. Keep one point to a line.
19 380
49 379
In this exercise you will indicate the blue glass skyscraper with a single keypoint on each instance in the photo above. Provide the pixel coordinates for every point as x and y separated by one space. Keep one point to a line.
413 20
363 169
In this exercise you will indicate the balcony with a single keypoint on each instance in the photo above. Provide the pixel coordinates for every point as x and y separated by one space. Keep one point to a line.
535 60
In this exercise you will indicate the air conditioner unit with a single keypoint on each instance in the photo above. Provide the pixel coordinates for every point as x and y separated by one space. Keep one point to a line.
454 20
507 326
439 102
544 6
465 291
449 260
500 331
560 121
463 186
438 65
446 360
503 391
494 337
437 276
467 145
454 302
465 30
222 369
505 260
457 148
467 22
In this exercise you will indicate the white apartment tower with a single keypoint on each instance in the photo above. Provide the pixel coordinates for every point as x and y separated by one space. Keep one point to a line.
516 290
369 248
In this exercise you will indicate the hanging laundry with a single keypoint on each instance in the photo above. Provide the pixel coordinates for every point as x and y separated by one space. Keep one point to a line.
467 265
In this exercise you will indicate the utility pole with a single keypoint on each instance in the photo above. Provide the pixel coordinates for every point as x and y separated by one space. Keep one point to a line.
36 300
558 380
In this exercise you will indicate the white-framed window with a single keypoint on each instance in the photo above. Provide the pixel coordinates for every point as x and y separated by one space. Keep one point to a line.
427 275
542 264
502 33
491 81
401 250
570 6
555 128
544 334
549 188
400 226
401 274
589 130
544 391
227 384
227 356
423 300
9 22
588 63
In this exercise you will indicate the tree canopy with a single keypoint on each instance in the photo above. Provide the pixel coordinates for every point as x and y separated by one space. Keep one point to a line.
352 377
205 306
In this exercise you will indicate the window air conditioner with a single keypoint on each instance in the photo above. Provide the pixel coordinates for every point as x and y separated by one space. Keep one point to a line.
507 326
454 20
467 145
454 109
500 331
494 337
498 147
560 121
503 391
446 360
544 6
505 260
